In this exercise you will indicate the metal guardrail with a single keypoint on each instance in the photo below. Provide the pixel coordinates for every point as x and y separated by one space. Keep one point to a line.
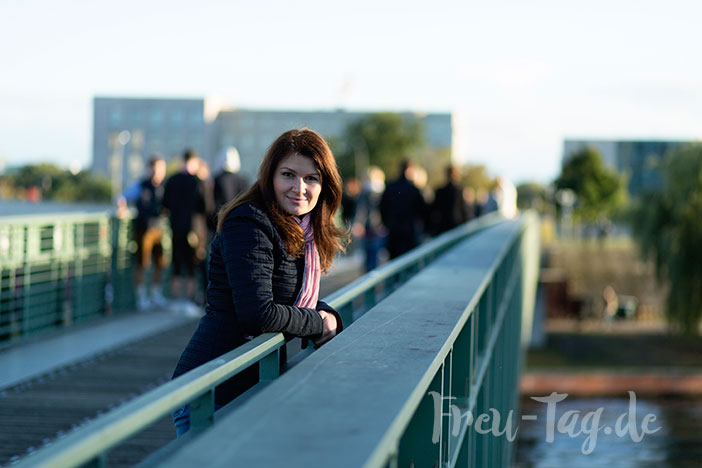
88 445
419 380
53 270
62 268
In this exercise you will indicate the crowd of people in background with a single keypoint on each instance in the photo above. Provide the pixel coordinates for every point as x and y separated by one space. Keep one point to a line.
385 219
398 216
187 202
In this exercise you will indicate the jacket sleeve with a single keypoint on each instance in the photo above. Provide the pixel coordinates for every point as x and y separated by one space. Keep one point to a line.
247 253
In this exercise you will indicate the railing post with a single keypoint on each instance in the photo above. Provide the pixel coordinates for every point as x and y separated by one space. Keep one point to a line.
269 366
346 313
392 462
98 462
27 282
369 298
416 446
78 286
202 411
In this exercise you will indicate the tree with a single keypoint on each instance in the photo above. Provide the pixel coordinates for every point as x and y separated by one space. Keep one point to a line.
56 183
476 176
668 226
531 195
380 139
599 191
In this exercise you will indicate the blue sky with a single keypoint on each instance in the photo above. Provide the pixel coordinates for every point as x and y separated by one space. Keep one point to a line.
519 76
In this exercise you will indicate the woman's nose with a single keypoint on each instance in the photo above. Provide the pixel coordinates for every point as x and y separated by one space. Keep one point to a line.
300 185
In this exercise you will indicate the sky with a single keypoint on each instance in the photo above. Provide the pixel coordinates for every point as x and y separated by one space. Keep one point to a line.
518 76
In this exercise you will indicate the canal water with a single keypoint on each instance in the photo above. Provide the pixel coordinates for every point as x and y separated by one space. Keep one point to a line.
677 441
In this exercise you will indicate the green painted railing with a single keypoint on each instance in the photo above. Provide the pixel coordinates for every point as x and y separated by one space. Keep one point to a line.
54 270
89 444
418 381
62 268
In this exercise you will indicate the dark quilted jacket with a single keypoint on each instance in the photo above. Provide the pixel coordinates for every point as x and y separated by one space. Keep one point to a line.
253 283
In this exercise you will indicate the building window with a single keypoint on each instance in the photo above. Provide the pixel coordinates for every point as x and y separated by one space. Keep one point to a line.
196 118
195 142
116 116
156 117
177 118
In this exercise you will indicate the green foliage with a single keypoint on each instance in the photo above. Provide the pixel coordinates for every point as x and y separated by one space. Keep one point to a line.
599 191
381 139
668 225
531 195
476 177
58 184
434 161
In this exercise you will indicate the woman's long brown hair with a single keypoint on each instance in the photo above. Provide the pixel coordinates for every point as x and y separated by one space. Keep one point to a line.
327 236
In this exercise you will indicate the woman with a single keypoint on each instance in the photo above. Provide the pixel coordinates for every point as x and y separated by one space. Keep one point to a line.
272 244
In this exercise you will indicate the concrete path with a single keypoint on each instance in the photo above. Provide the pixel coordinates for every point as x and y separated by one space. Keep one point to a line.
30 360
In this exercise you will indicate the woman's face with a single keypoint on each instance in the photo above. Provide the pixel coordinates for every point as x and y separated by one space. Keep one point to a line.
297 184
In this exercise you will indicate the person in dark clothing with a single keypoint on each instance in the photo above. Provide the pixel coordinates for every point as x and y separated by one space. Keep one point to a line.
402 208
349 200
183 198
367 223
204 229
148 233
271 246
228 183
449 208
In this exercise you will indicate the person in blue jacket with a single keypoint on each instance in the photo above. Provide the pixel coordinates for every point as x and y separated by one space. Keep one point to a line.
273 242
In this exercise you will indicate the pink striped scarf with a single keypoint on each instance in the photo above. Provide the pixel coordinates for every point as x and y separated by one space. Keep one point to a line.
309 292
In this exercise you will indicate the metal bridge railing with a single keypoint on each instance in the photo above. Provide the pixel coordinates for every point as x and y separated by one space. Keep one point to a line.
90 443
420 380
53 270
62 268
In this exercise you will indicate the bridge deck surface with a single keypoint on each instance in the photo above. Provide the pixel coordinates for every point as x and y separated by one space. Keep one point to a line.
56 399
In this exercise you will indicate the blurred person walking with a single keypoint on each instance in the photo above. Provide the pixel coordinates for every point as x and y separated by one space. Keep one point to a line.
349 200
470 199
487 201
403 209
506 195
183 199
368 224
228 183
449 208
148 233
203 228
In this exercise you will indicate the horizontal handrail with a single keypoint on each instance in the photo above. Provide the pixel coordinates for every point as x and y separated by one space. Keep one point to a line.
93 439
45 218
372 279
85 444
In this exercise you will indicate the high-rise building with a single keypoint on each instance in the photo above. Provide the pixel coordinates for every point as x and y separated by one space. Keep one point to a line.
126 131
639 160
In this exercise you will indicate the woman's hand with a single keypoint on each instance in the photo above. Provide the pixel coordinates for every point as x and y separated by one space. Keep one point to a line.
329 331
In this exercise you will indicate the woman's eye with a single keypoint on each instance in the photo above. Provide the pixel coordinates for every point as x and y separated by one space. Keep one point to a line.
313 178
287 174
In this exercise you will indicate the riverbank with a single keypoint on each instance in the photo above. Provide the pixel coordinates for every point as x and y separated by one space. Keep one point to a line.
609 360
